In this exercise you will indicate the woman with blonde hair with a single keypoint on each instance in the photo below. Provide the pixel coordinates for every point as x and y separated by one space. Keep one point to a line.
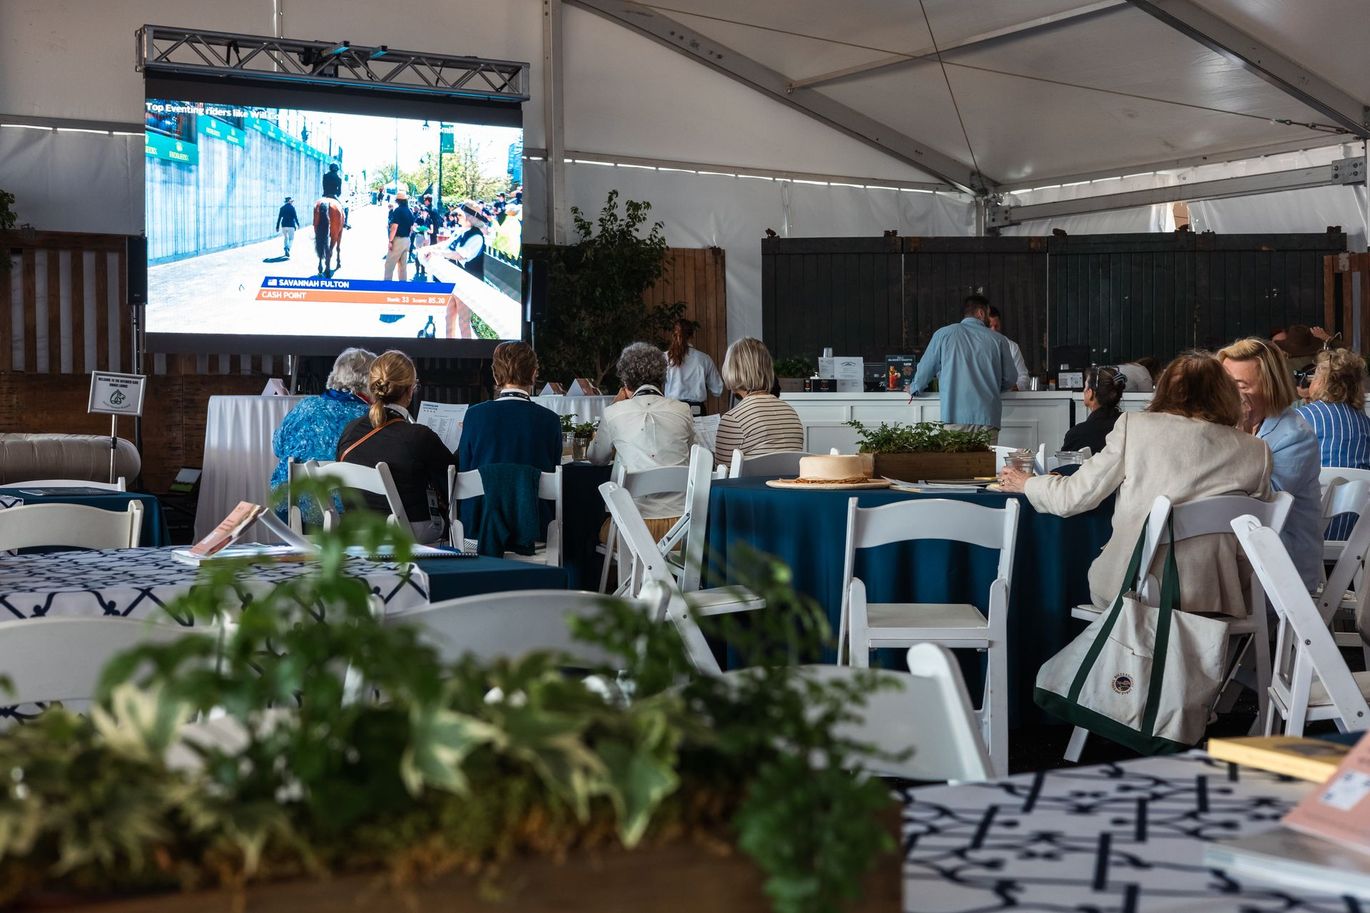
760 422
1336 413
1185 446
1266 384
416 456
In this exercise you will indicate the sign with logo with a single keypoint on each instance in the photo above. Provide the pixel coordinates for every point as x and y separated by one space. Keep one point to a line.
160 146
116 394
447 142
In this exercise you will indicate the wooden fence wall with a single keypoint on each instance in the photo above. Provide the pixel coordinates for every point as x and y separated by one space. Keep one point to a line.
697 277
1122 296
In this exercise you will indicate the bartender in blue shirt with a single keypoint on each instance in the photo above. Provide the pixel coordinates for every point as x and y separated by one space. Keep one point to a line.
974 366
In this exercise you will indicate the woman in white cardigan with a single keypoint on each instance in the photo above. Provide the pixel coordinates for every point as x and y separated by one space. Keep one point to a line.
1185 446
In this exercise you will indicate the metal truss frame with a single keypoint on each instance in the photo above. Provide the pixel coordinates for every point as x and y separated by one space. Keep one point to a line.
1346 171
197 52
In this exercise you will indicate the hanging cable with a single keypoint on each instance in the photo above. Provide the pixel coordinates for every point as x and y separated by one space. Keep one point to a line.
956 107
913 58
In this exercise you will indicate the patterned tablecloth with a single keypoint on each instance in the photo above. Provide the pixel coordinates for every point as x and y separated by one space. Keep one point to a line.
135 583
1115 837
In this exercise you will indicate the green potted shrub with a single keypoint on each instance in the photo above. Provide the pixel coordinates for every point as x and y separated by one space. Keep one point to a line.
926 450
471 786
791 371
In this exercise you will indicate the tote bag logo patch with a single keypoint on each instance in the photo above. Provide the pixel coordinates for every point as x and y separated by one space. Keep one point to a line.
1122 683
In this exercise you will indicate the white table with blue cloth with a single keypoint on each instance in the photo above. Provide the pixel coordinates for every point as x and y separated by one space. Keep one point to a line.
238 459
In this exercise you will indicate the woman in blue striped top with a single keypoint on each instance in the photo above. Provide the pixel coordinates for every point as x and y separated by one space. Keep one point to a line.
1337 414
1337 410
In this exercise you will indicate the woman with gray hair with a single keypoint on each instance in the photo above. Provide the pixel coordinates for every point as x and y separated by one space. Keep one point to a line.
642 429
311 430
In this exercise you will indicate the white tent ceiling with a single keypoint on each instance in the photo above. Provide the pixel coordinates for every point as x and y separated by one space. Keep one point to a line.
1048 90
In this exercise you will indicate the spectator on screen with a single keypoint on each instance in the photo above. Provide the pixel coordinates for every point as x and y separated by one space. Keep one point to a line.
310 431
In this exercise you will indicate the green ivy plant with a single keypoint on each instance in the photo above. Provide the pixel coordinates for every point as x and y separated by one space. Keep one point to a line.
923 437
461 766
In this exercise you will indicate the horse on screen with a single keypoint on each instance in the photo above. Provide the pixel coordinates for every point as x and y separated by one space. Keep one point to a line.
328 232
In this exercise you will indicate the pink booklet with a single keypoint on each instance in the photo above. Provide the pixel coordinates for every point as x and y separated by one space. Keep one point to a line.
1339 810
228 530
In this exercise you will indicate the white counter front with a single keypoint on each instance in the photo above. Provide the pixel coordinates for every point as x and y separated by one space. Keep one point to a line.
1029 418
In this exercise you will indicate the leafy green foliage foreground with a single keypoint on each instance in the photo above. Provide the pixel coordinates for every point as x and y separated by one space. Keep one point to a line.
439 766
921 437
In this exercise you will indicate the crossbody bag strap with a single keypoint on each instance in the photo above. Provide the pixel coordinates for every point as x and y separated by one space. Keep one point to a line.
1092 654
364 437
1170 602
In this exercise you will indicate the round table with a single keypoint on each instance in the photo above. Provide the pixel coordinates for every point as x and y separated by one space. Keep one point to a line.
807 531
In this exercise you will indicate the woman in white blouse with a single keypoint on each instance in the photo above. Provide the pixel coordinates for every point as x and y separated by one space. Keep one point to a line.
690 374
1186 447
643 429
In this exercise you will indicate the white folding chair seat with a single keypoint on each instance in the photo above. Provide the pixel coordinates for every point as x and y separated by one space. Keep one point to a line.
662 480
295 470
1039 460
1341 496
462 486
1203 517
61 659
868 626
922 717
70 526
1310 680
376 480
120 485
780 463
648 564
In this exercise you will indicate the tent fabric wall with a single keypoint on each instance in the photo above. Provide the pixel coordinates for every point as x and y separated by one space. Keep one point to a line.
74 181
1309 210
709 210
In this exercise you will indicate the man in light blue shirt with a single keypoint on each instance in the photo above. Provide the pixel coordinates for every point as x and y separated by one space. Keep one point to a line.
974 365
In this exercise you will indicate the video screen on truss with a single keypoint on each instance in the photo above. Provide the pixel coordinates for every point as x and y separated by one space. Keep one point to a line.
329 225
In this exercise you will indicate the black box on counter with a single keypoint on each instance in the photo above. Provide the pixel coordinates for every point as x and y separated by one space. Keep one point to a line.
820 385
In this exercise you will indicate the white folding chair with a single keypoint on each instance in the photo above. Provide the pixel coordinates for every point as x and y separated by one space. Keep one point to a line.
61 659
649 564
1344 600
781 463
508 625
869 626
1039 462
662 480
668 604
922 717
121 485
1205 517
70 525
1341 496
462 486
376 480
1311 680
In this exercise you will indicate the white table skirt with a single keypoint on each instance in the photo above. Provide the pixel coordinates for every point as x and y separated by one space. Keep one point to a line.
1110 838
584 408
238 459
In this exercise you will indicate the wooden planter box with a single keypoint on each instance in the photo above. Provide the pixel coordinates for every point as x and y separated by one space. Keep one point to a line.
918 467
678 878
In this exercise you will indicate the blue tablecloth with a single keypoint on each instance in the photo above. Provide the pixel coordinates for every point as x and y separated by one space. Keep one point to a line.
449 578
583 513
154 524
807 530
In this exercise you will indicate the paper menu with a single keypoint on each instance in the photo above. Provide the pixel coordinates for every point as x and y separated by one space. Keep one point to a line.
229 529
1339 810
445 419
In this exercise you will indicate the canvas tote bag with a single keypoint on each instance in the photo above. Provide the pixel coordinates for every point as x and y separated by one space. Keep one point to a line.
1144 677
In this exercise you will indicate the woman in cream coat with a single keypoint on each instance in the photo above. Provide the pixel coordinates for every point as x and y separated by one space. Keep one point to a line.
1185 446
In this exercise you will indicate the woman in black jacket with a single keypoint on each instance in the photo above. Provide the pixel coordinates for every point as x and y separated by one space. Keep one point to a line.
1103 391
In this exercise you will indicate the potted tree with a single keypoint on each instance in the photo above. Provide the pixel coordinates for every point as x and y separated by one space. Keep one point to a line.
926 450
471 786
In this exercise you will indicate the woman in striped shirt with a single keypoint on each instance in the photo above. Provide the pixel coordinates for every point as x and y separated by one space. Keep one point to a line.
760 422
1337 409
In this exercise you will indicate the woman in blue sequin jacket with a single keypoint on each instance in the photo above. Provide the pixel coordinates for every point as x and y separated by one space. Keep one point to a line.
311 430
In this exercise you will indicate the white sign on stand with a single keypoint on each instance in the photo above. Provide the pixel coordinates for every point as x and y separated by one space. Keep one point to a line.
850 373
445 419
116 394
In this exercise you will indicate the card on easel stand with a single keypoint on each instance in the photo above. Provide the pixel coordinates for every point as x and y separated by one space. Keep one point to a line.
115 395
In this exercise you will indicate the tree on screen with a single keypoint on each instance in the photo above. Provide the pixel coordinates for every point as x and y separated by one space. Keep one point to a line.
596 288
